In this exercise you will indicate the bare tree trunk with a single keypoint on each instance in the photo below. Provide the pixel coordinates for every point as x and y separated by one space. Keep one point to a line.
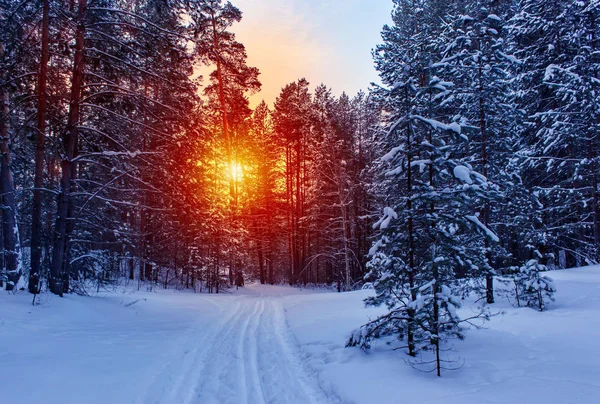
592 149
269 238
297 216
9 223
68 166
436 314
270 266
261 262
594 207
411 242
131 265
2 260
226 132
489 277
36 215
344 213
289 211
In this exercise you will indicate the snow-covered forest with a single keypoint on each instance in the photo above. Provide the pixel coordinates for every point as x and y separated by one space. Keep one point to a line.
449 193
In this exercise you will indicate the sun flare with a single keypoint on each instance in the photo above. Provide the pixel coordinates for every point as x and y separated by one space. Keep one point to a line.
236 171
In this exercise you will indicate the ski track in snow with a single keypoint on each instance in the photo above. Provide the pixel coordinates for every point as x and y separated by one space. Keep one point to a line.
247 357
280 345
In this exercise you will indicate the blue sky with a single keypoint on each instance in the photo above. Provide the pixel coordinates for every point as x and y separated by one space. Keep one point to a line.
326 41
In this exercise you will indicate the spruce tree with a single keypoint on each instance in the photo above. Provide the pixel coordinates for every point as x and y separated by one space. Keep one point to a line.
474 58
430 234
558 42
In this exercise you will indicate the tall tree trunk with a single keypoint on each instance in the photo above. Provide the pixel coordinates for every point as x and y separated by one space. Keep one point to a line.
436 312
594 207
592 149
36 215
224 121
269 234
226 133
131 266
411 242
68 166
289 210
345 235
261 262
489 277
298 215
9 208
270 265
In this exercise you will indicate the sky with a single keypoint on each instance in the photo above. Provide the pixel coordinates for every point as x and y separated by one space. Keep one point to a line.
324 41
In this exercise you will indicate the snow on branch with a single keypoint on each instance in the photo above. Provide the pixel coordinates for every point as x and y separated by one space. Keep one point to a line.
510 58
463 173
437 125
139 17
392 153
388 215
483 227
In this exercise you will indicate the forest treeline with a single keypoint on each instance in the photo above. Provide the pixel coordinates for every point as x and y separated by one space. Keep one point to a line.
119 162
491 117
476 156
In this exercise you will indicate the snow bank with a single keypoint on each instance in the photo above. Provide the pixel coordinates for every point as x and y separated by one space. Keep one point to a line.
522 356
282 345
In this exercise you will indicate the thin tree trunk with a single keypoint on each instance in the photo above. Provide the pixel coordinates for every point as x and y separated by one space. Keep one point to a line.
489 277
226 134
2 260
346 243
298 214
68 166
131 265
261 263
269 238
411 242
9 223
289 211
436 314
36 215
592 143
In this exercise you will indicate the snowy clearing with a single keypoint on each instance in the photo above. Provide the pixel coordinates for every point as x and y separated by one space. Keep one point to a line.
281 345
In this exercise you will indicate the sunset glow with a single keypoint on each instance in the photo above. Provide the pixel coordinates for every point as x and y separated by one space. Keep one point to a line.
315 39
236 171
246 196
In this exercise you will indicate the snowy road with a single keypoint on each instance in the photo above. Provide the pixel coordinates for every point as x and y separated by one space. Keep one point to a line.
281 345
246 355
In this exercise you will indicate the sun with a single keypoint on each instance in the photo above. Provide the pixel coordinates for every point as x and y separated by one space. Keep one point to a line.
236 171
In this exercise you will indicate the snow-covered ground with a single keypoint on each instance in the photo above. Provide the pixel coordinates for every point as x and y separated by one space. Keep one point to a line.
281 345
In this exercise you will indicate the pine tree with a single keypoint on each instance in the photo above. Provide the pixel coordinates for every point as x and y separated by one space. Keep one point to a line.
559 87
474 58
16 70
292 122
532 289
40 153
266 151
430 231
216 45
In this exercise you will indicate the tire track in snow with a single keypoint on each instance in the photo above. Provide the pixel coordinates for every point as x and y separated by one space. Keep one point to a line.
241 362
282 377
307 377
167 384
248 357
224 367
256 395
199 355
